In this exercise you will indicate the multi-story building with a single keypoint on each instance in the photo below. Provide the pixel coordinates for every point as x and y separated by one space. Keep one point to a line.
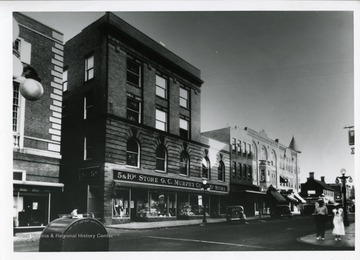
132 147
256 163
313 189
37 124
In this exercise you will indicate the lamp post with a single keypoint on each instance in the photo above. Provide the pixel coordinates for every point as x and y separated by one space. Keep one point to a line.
343 178
204 186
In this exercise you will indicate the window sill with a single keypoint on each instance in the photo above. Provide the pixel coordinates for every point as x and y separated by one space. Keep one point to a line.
134 85
132 167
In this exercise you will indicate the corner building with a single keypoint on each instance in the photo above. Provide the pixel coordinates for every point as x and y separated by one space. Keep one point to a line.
132 148
36 125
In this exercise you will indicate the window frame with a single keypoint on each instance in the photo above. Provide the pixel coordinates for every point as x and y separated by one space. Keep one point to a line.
164 89
182 130
129 72
187 99
137 153
88 97
164 159
165 123
88 148
206 168
65 80
19 121
131 110
221 171
89 69
184 155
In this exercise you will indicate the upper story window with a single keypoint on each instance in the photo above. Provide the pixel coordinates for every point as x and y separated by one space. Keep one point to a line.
205 168
133 73
221 171
239 147
233 170
17 116
244 148
184 97
184 128
89 148
88 105
161 120
240 170
161 86
161 158
132 153
65 80
89 67
23 49
184 163
233 145
133 108
249 150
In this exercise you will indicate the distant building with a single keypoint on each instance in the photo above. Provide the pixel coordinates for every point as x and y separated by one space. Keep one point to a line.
37 125
314 189
132 147
257 163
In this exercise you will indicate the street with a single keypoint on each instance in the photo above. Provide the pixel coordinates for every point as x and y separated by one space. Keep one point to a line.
258 235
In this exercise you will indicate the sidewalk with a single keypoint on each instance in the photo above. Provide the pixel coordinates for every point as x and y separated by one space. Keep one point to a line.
347 241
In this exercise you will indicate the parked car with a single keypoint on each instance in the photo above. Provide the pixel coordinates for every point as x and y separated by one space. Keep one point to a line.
280 211
235 213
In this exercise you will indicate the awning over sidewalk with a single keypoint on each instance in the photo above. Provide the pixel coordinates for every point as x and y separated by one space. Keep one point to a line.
277 196
298 197
291 198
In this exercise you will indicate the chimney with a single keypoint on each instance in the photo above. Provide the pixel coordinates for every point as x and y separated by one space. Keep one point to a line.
277 140
323 179
311 175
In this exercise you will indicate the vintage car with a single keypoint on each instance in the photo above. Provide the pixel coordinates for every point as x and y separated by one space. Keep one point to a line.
235 214
280 211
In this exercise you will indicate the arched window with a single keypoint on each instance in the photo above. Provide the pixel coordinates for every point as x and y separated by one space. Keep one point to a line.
221 171
184 163
161 158
205 168
132 153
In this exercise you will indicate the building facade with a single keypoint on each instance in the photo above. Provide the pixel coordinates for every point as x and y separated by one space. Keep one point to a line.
257 163
314 189
132 147
37 124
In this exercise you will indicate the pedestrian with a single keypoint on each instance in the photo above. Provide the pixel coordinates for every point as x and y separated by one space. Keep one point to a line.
338 221
320 214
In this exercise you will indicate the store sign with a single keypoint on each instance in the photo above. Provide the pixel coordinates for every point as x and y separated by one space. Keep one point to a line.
89 174
142 178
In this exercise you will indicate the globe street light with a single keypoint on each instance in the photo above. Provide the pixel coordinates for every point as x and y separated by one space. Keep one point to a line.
204 186
343 178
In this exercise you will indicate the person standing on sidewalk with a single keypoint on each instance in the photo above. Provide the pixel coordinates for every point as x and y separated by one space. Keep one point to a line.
338 221
320 215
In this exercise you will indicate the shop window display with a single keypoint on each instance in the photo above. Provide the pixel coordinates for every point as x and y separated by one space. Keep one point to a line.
121 204
162 204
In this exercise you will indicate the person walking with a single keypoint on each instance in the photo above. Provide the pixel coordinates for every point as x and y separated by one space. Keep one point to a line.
338 221
320 213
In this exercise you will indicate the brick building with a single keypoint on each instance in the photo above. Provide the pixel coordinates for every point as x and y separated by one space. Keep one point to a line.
257 163
36 125
313 189
132 147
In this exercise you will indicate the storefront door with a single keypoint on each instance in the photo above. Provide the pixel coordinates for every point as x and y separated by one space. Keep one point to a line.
34 211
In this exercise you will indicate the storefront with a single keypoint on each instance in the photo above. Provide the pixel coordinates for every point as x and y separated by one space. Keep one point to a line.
32 203
140 197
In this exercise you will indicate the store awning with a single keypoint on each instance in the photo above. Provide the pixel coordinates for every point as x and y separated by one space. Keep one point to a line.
297 196
291 198
277 196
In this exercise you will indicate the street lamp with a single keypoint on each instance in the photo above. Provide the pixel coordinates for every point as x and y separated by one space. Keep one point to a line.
343 178
204 186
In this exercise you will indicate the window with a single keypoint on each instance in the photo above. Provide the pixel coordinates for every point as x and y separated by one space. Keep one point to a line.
249 150
23 48
244 148
17 116
249 172
184 163
245 171
161 158
221 171
89 67
205 168
240 171
65 80
239 147
233 170
133 108
161 86
184 97
184 128
133 73
233 145
88 105
89 148
132 153
161 120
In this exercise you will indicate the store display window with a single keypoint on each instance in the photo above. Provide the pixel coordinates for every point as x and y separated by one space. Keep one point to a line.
162 204
121 204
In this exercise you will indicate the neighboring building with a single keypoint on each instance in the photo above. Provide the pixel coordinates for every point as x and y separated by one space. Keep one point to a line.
132 147
313 189
257 163
36 125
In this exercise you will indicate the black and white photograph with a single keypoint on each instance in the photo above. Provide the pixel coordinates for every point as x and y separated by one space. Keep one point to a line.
195 129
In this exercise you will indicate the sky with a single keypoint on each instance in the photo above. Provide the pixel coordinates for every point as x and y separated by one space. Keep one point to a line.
290 73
